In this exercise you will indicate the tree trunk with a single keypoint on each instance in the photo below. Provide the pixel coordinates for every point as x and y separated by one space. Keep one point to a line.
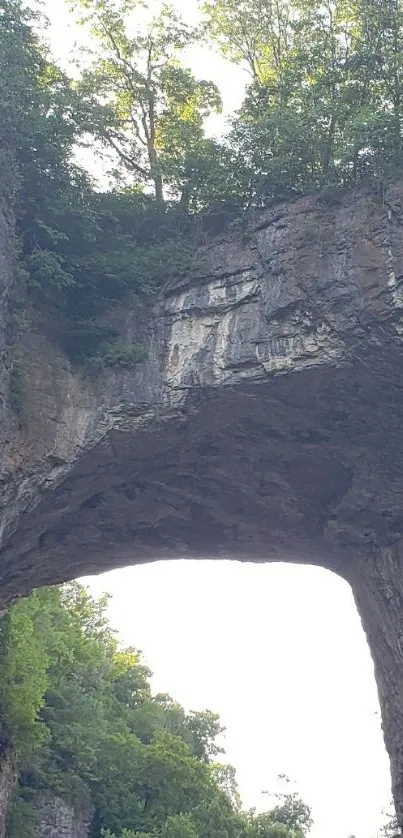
159 188
377 582
8 782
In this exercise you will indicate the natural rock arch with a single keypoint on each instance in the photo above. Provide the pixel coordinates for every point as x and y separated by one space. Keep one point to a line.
265 423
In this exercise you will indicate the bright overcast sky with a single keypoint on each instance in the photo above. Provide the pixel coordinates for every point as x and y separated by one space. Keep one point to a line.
277 650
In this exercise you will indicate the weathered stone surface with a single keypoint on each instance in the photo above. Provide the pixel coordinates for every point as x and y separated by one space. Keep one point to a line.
58 819
8 782
265 425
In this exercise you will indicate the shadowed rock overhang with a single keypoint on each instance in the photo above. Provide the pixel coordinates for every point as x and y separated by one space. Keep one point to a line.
264 424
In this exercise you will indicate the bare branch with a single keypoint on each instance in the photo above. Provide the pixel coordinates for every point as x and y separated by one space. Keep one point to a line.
126 158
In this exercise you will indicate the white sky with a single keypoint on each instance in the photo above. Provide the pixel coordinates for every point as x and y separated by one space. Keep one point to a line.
277 650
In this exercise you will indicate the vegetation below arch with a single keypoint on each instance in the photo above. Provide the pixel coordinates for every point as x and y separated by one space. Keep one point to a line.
78 712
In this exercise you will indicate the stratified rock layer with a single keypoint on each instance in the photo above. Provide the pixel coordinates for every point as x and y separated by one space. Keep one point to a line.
266 424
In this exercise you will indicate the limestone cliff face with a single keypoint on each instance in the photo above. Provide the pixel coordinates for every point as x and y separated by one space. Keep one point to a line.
8 782
58 819
265 423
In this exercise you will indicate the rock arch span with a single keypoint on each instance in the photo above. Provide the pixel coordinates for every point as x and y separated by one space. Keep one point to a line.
265 424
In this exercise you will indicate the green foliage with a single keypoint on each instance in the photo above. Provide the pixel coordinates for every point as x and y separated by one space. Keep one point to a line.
17 390
45 270
79 711
293 813
290 817
225 777
21 64
22 819
253 32
324 104
24 676
146 106
80 251
121 355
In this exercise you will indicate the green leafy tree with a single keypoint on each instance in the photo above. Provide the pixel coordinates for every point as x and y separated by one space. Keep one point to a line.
79 250
24 677
323 107
151 108
225 776
289 816
175 826
38 134
254 32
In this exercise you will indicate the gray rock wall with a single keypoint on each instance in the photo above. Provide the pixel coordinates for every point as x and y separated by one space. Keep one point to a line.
8 781
58 819
253 427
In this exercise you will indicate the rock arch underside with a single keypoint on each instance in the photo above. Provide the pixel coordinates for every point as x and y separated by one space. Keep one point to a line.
265 424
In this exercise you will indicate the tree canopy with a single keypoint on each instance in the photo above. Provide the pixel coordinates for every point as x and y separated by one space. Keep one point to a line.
152 107
323 107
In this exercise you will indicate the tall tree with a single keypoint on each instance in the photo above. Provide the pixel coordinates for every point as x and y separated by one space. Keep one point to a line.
324 104
256 32
151 108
